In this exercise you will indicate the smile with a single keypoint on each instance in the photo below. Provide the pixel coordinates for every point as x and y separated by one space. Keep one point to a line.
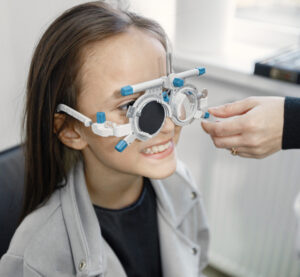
157 148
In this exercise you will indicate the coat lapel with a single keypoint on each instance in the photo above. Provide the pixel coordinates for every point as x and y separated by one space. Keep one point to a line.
180 256
177 256
82 226
113 266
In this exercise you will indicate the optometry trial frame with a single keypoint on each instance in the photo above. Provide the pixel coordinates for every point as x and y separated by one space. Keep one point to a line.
167 96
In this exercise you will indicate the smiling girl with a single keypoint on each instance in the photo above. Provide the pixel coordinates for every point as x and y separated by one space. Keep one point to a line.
88 209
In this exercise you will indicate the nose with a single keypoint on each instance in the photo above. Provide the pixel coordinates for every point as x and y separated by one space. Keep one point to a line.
168 126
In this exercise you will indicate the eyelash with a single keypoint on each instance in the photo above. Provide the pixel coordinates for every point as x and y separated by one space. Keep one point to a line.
125 106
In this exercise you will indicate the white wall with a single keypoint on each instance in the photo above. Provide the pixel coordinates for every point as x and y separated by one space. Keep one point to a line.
21 25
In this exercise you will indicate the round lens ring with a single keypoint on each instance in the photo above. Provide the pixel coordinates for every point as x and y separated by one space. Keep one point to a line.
184 104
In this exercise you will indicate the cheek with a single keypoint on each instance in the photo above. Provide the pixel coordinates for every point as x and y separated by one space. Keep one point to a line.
103 149
115 115
177 132
103 146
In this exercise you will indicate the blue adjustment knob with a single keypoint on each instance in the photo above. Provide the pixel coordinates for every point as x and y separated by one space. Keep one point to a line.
206 115
165 96
101 117
201 70
128 90
177 82
122 144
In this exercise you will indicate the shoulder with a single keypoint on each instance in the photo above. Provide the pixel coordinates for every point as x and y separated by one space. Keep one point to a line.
33 225
42 237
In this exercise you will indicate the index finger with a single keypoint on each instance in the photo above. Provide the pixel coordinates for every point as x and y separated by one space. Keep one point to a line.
224 128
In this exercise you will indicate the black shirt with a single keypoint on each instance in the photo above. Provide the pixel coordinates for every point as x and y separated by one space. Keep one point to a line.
132 233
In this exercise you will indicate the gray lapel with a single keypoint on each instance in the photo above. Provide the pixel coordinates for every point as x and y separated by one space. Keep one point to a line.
180 256
82 225
176 249
113 265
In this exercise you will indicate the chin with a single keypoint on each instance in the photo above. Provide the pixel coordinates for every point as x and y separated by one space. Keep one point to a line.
162 171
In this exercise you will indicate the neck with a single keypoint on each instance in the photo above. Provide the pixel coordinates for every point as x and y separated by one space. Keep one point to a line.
109 188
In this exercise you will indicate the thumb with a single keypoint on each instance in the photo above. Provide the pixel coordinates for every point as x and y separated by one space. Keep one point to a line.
233 109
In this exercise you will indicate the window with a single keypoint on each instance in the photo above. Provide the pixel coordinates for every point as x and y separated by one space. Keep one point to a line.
281 12
267 23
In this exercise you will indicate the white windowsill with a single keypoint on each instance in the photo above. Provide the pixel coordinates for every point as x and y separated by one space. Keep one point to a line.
236 67
252 41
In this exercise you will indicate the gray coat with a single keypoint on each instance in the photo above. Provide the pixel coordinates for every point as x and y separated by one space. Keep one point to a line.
62 238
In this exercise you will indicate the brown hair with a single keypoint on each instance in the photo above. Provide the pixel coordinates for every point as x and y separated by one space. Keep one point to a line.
53 79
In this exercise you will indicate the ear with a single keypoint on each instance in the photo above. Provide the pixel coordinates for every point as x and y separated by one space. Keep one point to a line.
70 135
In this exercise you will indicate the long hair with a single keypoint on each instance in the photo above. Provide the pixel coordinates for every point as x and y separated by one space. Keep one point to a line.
53 79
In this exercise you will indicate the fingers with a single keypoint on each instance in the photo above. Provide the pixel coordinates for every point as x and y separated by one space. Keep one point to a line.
224 128
255 131
246 152
229 142
233 109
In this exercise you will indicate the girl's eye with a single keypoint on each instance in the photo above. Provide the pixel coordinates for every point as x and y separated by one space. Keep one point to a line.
126 106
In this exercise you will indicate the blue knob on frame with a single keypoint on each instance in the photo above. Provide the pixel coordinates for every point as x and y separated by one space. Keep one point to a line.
101 117
206 115
201 70
128 90
165 96
177 82
122 144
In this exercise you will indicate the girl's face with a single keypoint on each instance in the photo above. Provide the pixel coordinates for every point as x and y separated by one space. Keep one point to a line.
128 58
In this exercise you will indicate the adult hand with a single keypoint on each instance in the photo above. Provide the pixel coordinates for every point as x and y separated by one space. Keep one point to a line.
255 131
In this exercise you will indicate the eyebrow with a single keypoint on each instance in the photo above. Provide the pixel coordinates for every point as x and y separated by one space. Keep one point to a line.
117 94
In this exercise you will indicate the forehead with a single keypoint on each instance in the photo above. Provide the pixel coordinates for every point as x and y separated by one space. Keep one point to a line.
131 57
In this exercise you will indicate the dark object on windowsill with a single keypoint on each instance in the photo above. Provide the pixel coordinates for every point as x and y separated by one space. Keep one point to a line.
285 66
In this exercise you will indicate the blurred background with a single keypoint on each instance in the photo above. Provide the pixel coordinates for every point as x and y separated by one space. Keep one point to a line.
249 202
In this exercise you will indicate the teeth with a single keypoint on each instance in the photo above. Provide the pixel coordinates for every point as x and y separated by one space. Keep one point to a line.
161 148
157 149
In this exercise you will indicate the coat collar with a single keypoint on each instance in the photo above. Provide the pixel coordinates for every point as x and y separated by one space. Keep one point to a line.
175 198
82 225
